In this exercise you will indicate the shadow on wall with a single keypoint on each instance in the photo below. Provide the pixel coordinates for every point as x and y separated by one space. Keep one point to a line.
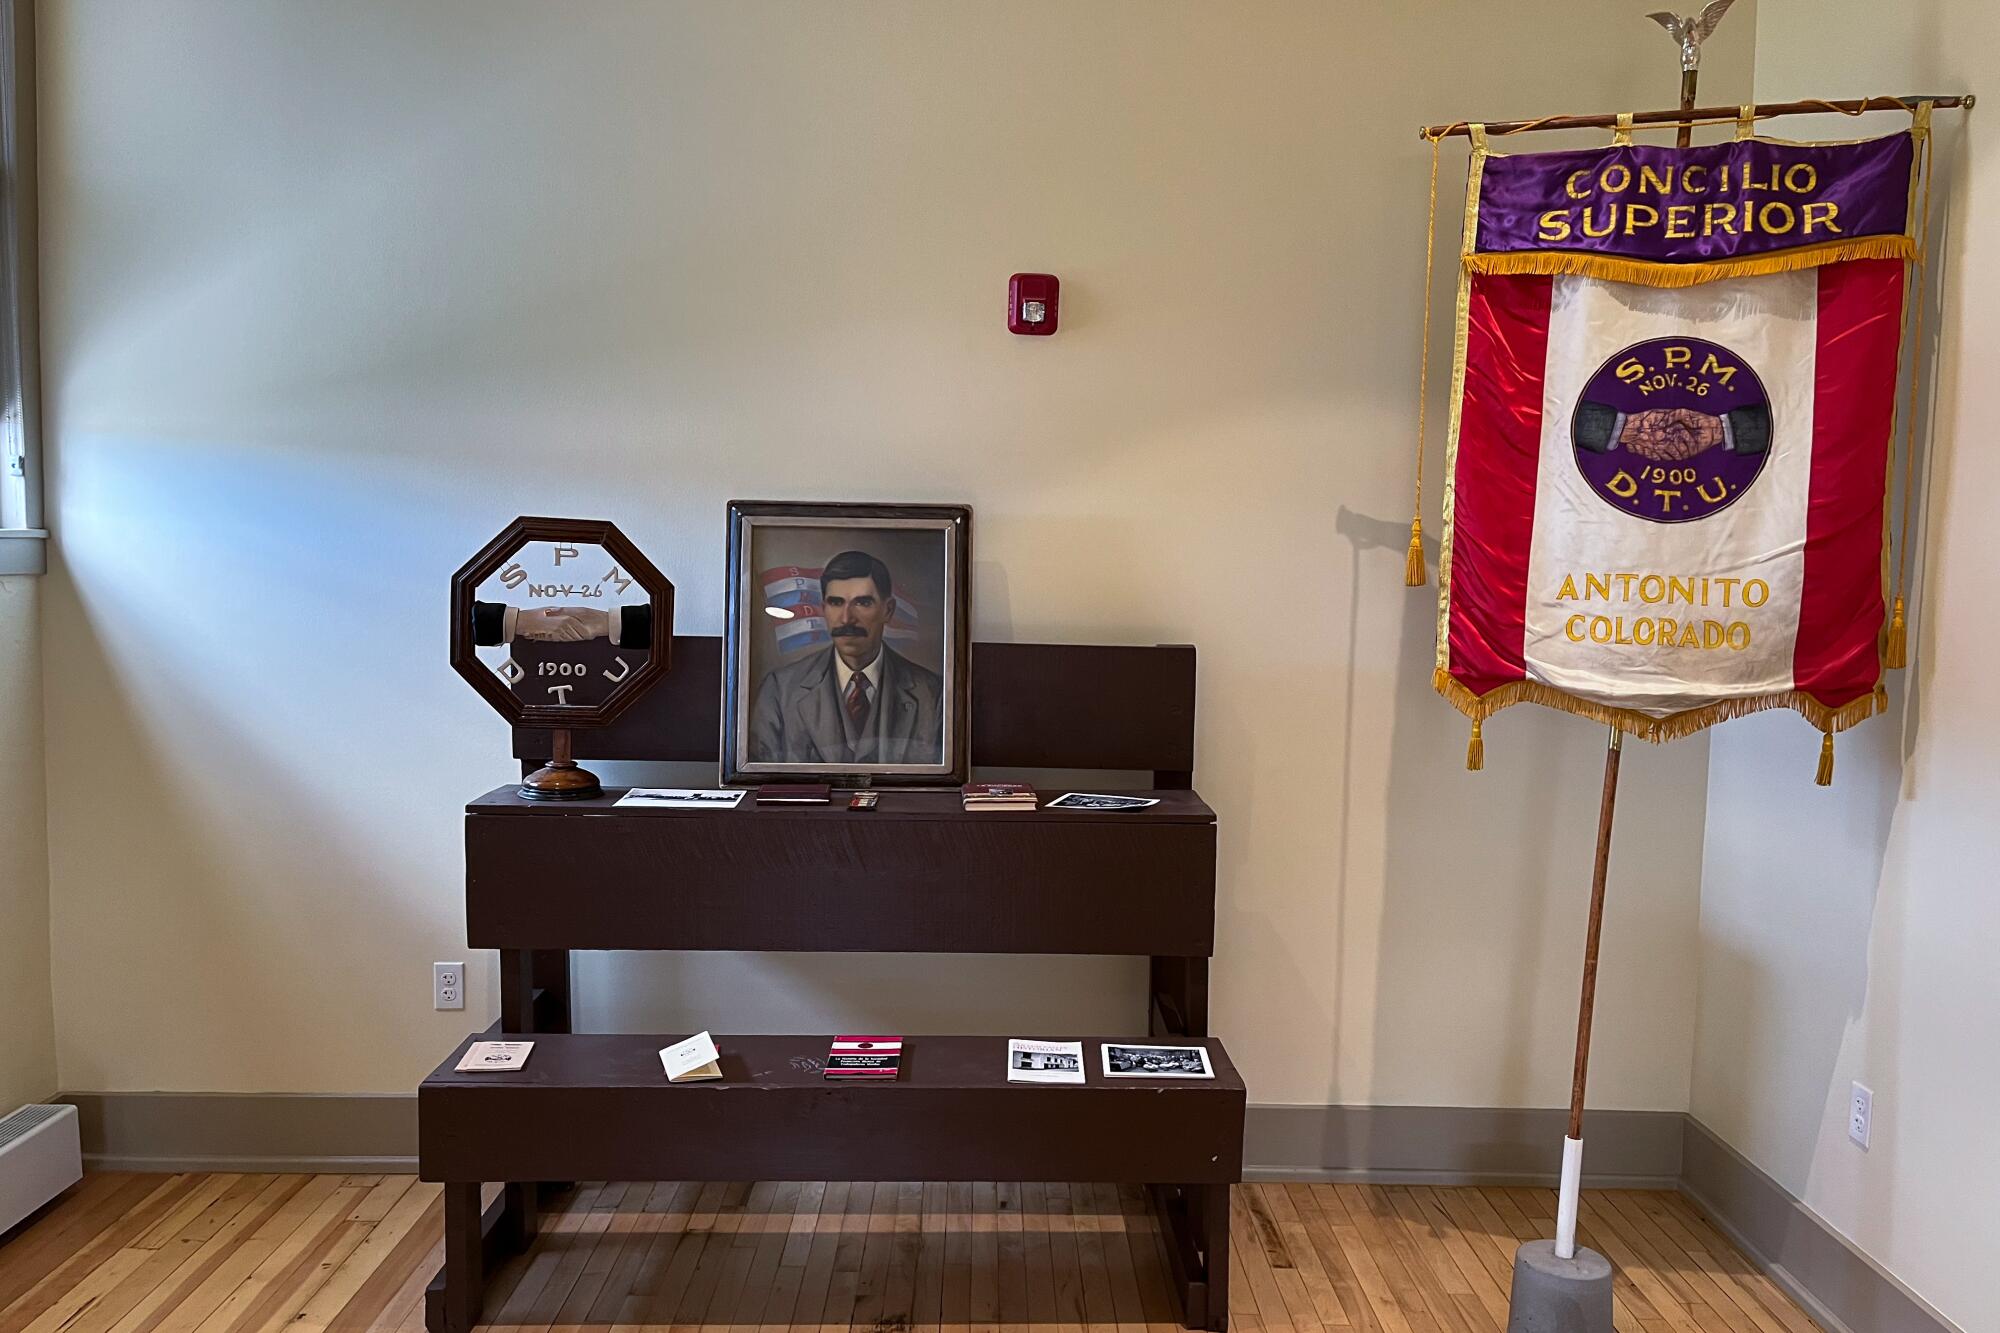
207 868
1793 906
1427 881
1494 868
1792 889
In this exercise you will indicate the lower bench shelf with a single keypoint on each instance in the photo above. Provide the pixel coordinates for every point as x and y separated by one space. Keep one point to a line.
598 1107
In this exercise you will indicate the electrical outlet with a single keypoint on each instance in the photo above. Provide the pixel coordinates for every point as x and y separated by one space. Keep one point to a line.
1860 1112
447 985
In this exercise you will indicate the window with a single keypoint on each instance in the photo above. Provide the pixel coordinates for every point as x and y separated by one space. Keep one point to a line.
21 533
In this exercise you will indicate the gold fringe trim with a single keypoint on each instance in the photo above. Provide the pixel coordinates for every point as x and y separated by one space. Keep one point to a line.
1896 655
1478 707
1824 778
1475 750
1413 567
1647 273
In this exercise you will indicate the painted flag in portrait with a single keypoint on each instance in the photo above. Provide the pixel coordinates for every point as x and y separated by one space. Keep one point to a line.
1673 405
792 601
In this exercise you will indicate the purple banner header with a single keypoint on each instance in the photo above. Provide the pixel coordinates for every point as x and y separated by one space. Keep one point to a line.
1695 205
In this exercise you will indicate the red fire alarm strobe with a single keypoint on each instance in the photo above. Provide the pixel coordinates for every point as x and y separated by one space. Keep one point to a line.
1031 303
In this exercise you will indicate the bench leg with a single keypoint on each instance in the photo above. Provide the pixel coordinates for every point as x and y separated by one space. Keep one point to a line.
1177 997
1196 1222
457 1295
523 1202
1214 1216
535 994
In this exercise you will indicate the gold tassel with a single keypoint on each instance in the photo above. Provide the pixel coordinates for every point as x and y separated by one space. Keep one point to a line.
1654 729
1824 778
1475 750
1413 568
1897 655
1881 697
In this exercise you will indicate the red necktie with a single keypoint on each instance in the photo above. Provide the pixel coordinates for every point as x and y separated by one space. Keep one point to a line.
857 701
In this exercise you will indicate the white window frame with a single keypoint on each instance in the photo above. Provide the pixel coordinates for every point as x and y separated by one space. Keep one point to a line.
23 538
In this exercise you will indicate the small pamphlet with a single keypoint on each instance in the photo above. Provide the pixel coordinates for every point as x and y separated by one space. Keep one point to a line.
865 1057
1031 1061
485 1055
681 798
1134 1060
1088 800
692 1060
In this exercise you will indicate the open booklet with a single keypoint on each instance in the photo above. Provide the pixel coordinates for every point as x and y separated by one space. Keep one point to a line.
1031 1061
494 1055
692 1060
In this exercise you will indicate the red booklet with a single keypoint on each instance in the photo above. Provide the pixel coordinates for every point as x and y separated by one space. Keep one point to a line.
865 1057
997 796
991 791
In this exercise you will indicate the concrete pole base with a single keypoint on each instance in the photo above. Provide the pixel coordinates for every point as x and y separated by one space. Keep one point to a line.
1554 1295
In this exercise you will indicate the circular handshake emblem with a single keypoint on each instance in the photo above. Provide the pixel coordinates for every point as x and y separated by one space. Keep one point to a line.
1672 429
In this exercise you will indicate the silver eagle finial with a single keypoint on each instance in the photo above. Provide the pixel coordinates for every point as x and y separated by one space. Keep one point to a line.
1691 30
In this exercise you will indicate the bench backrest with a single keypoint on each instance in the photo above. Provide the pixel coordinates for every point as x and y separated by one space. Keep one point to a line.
1034 705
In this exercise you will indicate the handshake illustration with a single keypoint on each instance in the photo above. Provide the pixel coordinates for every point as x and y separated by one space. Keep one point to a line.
562 624
625 626
1672 434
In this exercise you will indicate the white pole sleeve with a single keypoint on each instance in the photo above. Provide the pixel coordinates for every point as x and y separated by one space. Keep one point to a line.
1566 1201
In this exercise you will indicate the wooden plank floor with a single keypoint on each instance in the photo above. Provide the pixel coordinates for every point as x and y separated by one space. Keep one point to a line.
344 1254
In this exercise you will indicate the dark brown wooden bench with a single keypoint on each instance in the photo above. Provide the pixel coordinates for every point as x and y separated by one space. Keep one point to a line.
917 875
599 1108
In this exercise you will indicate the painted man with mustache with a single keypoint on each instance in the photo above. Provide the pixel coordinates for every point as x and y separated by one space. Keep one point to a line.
856 701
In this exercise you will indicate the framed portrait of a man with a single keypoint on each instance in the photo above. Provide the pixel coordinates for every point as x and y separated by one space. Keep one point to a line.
846 645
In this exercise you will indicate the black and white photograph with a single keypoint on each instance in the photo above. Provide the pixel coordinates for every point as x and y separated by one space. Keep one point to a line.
682 798
846 643
1090 800
1032 1061
1127 1061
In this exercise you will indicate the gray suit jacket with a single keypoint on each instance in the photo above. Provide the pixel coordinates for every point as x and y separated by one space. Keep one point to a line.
797 716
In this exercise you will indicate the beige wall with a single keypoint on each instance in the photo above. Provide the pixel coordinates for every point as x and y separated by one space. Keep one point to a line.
28 1054
334 291
1849 934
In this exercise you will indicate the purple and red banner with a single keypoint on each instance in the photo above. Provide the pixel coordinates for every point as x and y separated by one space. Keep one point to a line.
1669 456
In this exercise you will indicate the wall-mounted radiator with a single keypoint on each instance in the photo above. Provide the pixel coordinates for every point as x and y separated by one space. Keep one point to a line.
41 1155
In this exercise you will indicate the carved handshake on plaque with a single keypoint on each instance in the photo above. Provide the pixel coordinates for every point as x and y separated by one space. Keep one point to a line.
562 624
626 626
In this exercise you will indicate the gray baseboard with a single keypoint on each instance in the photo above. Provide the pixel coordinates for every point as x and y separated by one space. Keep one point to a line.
184 1131
1819 1268
1434 1145
203 1131
1457 1145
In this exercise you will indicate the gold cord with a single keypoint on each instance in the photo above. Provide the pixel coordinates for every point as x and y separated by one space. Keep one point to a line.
1413 564
1896 651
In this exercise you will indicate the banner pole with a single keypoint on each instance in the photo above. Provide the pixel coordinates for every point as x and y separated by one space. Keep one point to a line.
1686 135
1707 115
1572 1173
